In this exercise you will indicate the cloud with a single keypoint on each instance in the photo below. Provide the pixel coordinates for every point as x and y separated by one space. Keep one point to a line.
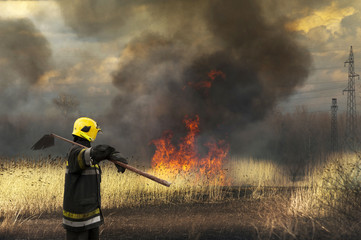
102 20
94 91
329 17
45 80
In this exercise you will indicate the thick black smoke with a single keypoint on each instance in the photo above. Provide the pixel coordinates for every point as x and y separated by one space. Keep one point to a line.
24 57
23 50
230 62
230 74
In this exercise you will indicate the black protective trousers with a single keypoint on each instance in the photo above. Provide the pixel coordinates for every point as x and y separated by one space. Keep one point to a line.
91 234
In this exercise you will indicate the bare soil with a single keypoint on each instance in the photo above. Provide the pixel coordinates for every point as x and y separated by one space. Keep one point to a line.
238 219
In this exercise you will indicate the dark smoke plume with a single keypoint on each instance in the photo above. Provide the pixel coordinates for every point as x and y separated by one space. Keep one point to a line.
24 58
233 74
24 50
222 60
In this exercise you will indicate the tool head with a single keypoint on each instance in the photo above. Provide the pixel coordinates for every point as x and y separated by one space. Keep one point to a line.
44 142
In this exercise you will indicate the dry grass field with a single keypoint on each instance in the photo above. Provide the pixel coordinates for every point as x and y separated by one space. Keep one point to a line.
258 202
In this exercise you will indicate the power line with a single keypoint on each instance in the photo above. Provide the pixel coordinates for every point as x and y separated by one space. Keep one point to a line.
313 97
324 68
326 82
317 90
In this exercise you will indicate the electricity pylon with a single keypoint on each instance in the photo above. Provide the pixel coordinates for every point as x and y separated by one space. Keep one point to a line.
334 131
351 125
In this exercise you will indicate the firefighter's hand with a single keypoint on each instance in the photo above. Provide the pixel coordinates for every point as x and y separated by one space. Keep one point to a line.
118 157
100 153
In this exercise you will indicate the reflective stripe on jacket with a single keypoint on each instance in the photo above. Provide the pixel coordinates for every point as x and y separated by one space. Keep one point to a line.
81 206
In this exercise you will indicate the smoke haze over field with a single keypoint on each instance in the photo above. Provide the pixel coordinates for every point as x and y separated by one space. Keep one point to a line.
158 82
25 57
139 67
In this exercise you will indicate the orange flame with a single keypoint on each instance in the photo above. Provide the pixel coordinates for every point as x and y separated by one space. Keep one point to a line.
185 161
207 84
214 73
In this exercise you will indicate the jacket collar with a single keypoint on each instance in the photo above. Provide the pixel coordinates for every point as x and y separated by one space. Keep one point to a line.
82 141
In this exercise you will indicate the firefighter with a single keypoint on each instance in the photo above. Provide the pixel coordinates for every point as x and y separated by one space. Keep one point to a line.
82 213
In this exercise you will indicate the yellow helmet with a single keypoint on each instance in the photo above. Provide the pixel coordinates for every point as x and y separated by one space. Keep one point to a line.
86 128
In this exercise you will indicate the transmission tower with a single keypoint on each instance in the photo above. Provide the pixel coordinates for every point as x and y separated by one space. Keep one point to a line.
334 131
350 134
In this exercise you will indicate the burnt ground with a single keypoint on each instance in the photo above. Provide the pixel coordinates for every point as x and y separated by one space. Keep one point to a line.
198 221
237 219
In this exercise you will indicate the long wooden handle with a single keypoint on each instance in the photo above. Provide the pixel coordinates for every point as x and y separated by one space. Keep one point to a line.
144 174
133 169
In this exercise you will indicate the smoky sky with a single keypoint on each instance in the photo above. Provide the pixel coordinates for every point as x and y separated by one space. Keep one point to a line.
101 20
221 60
167 77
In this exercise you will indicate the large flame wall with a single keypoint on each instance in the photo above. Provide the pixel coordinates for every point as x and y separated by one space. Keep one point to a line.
185 161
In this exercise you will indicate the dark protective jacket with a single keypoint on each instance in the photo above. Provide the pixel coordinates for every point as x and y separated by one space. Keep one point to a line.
81 206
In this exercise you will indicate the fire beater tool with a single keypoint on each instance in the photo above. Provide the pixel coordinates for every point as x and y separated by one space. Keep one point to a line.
48 141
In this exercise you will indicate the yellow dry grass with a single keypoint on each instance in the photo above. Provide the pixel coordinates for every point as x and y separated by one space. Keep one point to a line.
30 187
34 187
256 172
332 187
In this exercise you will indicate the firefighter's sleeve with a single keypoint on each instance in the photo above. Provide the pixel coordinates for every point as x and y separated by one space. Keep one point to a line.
79 159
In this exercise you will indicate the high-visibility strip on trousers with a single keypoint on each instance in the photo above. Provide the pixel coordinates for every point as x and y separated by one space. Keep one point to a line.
81 223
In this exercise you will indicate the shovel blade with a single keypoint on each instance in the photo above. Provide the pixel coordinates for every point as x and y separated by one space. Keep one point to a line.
44 142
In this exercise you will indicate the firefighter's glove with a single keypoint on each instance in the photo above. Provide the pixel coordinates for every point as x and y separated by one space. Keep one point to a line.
100 153
118 157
